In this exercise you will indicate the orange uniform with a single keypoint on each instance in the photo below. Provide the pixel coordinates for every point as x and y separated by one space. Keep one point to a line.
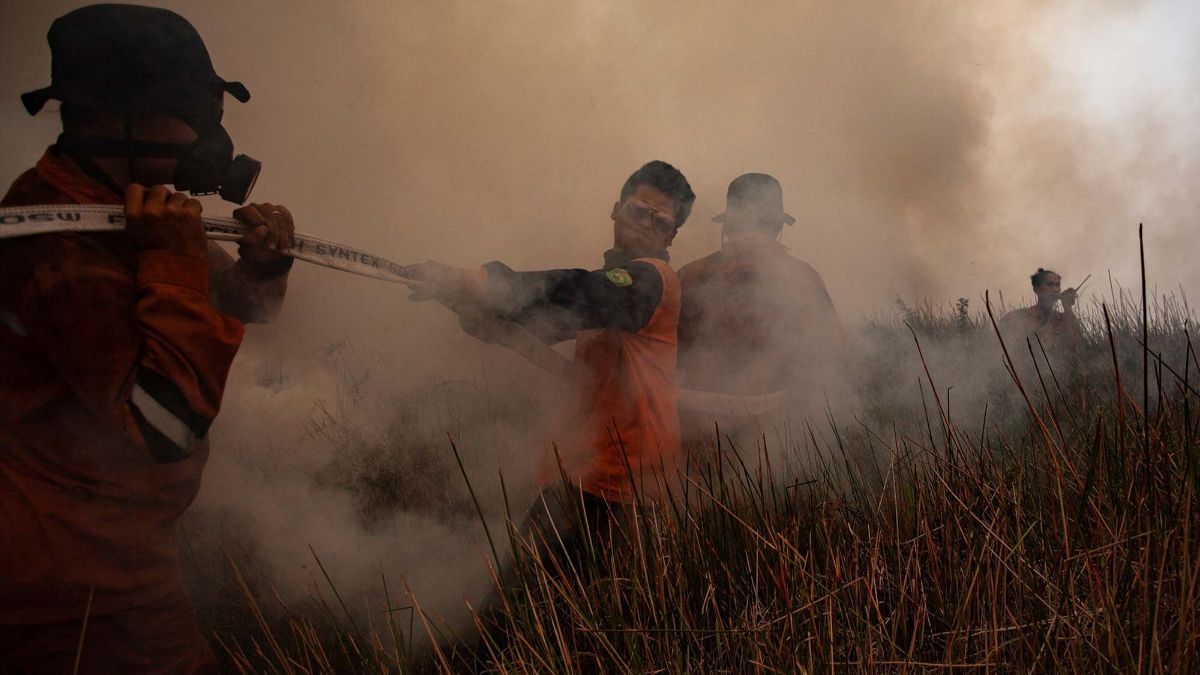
754 319
618 431
623 412
113 364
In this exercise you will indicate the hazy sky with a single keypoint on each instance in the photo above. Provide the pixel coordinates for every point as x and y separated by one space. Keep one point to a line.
926 149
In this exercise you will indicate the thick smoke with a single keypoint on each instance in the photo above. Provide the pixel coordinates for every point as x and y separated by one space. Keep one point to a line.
928 150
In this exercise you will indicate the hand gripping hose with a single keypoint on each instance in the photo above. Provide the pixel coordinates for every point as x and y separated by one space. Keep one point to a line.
25 221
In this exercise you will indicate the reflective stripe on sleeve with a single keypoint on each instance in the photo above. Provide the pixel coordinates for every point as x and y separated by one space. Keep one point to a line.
163 421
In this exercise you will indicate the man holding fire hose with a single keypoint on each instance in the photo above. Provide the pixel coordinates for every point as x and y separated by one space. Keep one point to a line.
114 347
617 440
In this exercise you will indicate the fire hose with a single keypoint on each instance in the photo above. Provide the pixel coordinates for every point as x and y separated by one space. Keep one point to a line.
26 221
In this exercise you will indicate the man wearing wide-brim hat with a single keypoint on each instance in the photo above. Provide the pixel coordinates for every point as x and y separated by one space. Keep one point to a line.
755 319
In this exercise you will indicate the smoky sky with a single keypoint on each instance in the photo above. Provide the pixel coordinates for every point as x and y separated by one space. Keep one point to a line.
926 149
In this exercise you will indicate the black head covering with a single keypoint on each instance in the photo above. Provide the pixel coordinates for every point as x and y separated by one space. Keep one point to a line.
126 58
757 195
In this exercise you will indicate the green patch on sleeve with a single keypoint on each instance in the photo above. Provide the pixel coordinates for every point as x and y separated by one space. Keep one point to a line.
619 276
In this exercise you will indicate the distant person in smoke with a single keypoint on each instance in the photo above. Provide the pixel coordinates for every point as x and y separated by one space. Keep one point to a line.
617 439
1043 318
754 319
115 347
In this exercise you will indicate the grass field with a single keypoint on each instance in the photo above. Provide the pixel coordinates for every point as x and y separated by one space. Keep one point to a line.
960 506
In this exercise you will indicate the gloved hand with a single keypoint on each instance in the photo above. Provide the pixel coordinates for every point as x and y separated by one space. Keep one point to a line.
448 285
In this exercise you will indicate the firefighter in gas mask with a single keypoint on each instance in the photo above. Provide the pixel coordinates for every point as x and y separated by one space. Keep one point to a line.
115 347
142 105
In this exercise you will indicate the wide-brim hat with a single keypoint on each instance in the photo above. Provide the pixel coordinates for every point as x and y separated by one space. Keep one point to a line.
127 58
757 197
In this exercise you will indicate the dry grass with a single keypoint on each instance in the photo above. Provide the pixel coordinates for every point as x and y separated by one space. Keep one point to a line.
1057 534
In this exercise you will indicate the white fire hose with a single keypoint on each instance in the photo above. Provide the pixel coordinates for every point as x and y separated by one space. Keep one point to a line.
25 221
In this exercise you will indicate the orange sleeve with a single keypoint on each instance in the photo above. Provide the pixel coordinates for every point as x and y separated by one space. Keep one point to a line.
148 356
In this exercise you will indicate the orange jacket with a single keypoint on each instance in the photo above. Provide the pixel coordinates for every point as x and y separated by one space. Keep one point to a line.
618 433
753 319
618 430
112 364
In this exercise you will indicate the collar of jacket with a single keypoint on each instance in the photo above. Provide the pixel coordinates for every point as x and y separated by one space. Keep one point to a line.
65 175
615 258
753 245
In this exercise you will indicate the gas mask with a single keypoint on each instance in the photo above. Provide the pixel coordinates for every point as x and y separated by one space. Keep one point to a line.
206 165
